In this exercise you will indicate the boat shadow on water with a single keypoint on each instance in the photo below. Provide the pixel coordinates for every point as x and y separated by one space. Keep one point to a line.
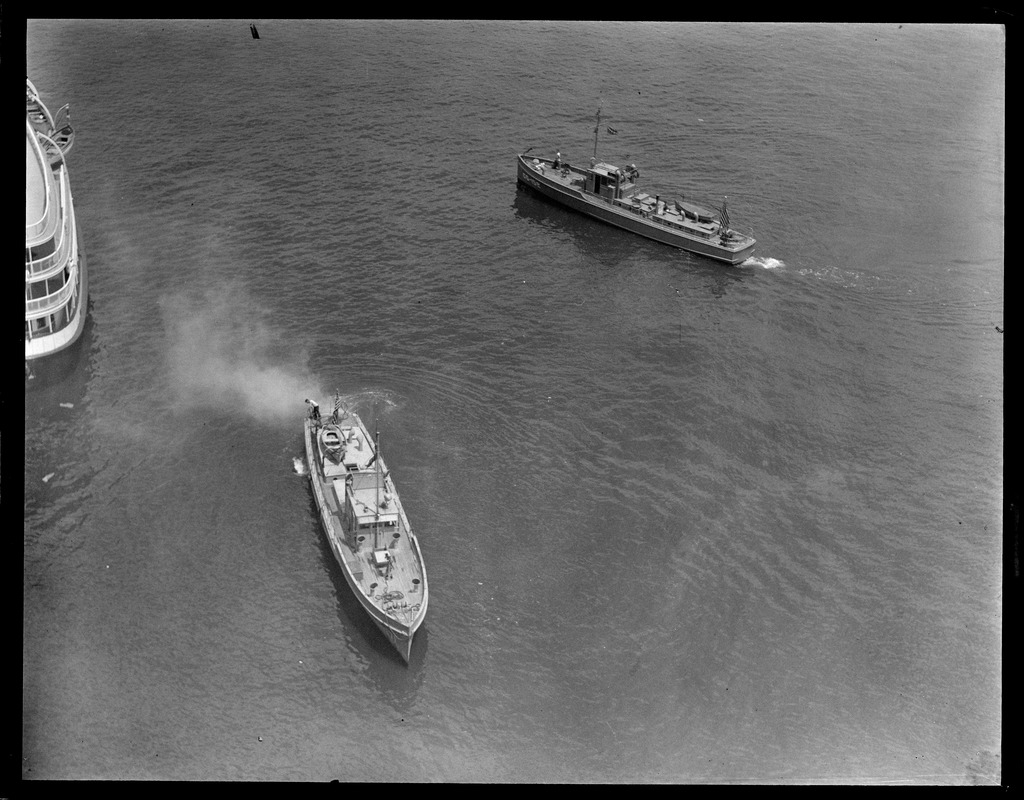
597 240
611 247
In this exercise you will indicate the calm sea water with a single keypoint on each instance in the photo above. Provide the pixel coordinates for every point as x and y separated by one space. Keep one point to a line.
683 522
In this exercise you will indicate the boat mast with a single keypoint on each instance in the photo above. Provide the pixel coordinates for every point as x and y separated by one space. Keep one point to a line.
597 127
376 489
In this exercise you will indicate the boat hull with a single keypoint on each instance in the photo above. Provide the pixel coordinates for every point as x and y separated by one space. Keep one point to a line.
645 226
352 560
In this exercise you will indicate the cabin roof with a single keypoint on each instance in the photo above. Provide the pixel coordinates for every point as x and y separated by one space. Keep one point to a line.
604 168
363 501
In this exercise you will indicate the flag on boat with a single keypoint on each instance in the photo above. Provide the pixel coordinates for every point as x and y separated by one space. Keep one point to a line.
612 131
725 214
338 406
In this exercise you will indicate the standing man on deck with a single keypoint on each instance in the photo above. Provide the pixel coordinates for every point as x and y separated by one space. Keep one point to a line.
314 409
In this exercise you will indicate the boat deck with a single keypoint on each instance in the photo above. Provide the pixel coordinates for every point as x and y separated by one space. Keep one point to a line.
35 190
684 216
404 566
378 548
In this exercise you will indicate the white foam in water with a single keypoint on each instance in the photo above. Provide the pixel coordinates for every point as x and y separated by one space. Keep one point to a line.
299 465
763 263
362 401
844 277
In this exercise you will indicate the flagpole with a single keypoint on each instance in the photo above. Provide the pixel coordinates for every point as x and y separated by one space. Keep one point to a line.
376 493
596 129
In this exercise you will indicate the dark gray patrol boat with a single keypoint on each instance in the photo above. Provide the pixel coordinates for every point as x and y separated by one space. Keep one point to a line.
611 194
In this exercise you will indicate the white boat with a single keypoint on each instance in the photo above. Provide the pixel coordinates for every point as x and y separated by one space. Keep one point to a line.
56 280
365 523
611 194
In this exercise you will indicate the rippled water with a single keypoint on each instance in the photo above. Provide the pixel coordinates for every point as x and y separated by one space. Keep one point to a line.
683 523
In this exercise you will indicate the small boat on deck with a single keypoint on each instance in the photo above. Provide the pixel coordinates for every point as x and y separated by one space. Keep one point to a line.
611 194
366 524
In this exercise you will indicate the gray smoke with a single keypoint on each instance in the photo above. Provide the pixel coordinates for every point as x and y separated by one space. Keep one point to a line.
224 352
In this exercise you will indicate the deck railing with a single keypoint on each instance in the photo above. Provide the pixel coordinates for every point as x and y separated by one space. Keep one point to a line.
55 300
38 267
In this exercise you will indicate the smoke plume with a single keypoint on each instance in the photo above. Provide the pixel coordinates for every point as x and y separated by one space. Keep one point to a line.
224 352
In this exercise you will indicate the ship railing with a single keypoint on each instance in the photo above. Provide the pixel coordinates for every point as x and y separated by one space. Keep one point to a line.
49 262
33 229
55 300
54 152
658 219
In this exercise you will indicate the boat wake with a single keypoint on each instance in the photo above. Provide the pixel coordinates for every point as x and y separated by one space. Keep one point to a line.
763 263
299 466
848 279
365 400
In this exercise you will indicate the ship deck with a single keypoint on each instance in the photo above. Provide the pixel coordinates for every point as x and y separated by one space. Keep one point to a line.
700 220
394 583
35 188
